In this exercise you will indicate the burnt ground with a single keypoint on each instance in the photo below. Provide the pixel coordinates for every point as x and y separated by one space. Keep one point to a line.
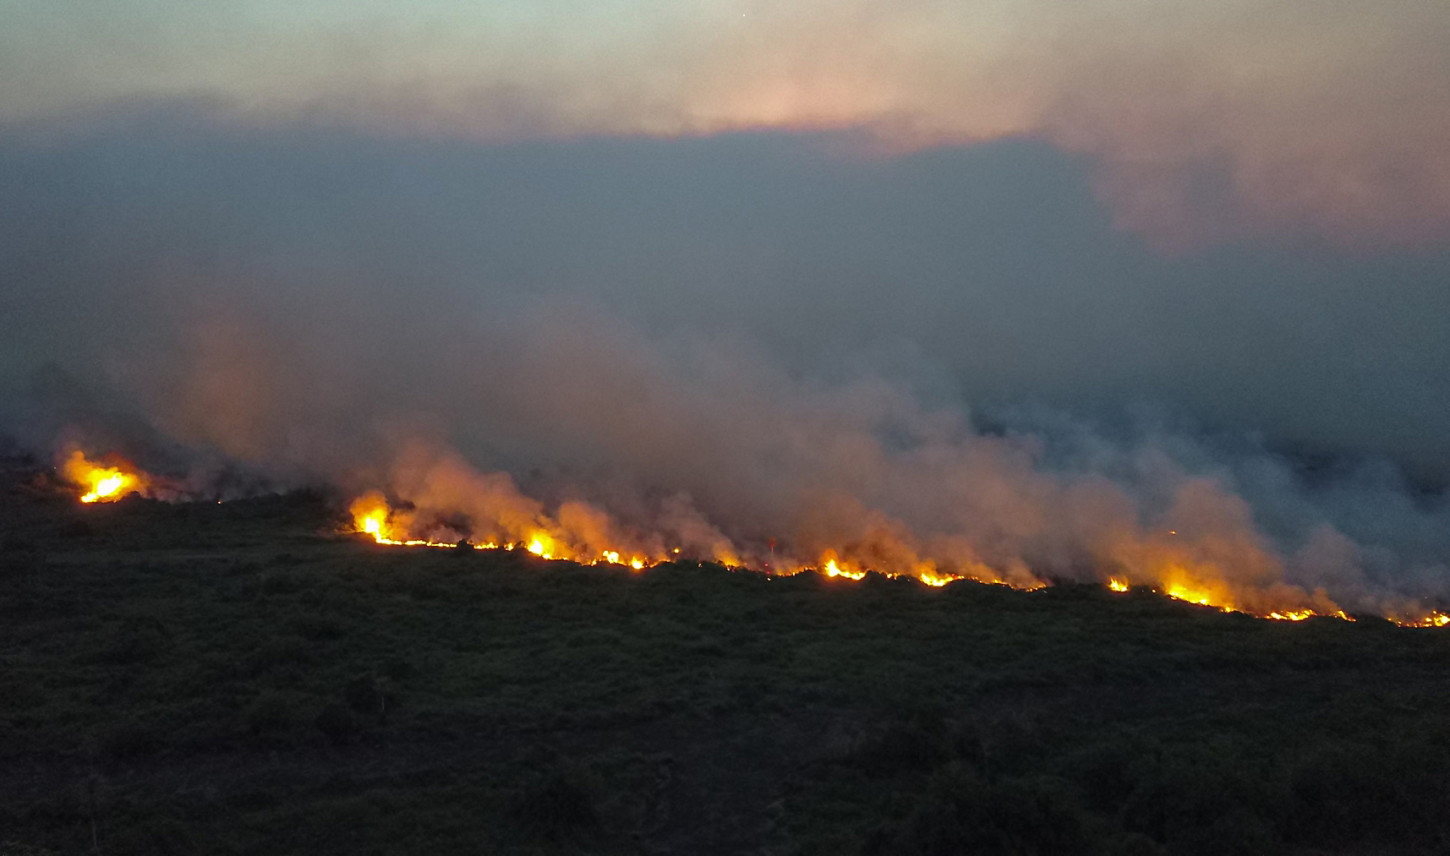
238 679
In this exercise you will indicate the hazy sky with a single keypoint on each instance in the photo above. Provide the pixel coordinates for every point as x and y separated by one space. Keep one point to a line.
1201 120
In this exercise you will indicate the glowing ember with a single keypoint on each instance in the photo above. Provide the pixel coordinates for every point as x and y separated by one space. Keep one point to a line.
102 483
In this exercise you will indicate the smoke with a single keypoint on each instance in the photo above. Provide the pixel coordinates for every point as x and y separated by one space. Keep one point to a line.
565 423
1192 114
521 344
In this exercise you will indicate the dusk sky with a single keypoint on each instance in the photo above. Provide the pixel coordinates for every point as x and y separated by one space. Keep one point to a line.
1198 120
617 237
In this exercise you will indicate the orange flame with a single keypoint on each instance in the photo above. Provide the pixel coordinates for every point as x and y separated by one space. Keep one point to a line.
372 515
102 483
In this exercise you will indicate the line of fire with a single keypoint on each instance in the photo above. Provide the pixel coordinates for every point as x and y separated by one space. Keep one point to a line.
111 478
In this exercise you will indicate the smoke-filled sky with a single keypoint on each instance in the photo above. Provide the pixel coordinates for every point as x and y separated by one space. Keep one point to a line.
1199 120
1016 282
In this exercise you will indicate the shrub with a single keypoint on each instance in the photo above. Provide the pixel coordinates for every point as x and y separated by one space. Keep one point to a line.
963 813
268 714
917 744
556 806
337 724
128 739
1340 792
318 628
368 694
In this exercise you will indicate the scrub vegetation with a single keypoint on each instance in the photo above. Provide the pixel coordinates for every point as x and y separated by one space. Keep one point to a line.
211 679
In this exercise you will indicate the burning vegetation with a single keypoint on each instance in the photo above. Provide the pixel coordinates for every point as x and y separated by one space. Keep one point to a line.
103 482
456 507
404 525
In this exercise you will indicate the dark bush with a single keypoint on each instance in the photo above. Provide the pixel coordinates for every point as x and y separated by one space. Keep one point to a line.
903 747
137 640
1344 792
398 670
1108 772
128 740
1202 800
276 654
556 807
318 628
962 813
12 543
159 836
268 714
77 529
368 694
282 582
1136 844
338 724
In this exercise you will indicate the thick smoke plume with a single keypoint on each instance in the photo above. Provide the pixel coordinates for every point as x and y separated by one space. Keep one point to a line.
207 336
564 425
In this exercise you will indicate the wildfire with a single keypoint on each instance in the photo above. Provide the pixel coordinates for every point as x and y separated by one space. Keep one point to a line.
934 579
102 483
1434 619
1181 578
1294 615
370 515
831 568
1181 592
373 516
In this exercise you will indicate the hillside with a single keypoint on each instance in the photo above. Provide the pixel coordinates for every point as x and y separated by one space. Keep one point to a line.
238 679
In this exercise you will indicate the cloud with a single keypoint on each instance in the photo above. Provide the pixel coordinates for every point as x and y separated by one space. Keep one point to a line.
1205 122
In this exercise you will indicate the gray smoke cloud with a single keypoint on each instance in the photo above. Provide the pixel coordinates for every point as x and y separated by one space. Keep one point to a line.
755 348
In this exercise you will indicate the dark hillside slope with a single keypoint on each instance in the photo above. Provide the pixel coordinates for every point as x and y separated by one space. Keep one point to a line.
232 679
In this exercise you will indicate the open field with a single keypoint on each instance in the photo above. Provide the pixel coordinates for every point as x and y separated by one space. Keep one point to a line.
234 679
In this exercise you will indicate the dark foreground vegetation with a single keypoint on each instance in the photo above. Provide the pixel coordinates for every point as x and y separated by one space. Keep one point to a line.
230 679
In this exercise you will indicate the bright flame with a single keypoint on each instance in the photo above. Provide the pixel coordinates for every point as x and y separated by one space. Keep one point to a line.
1434 619
540 547
832 569
370 514
1178 591
1292 615
936 580
373 516
102 484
